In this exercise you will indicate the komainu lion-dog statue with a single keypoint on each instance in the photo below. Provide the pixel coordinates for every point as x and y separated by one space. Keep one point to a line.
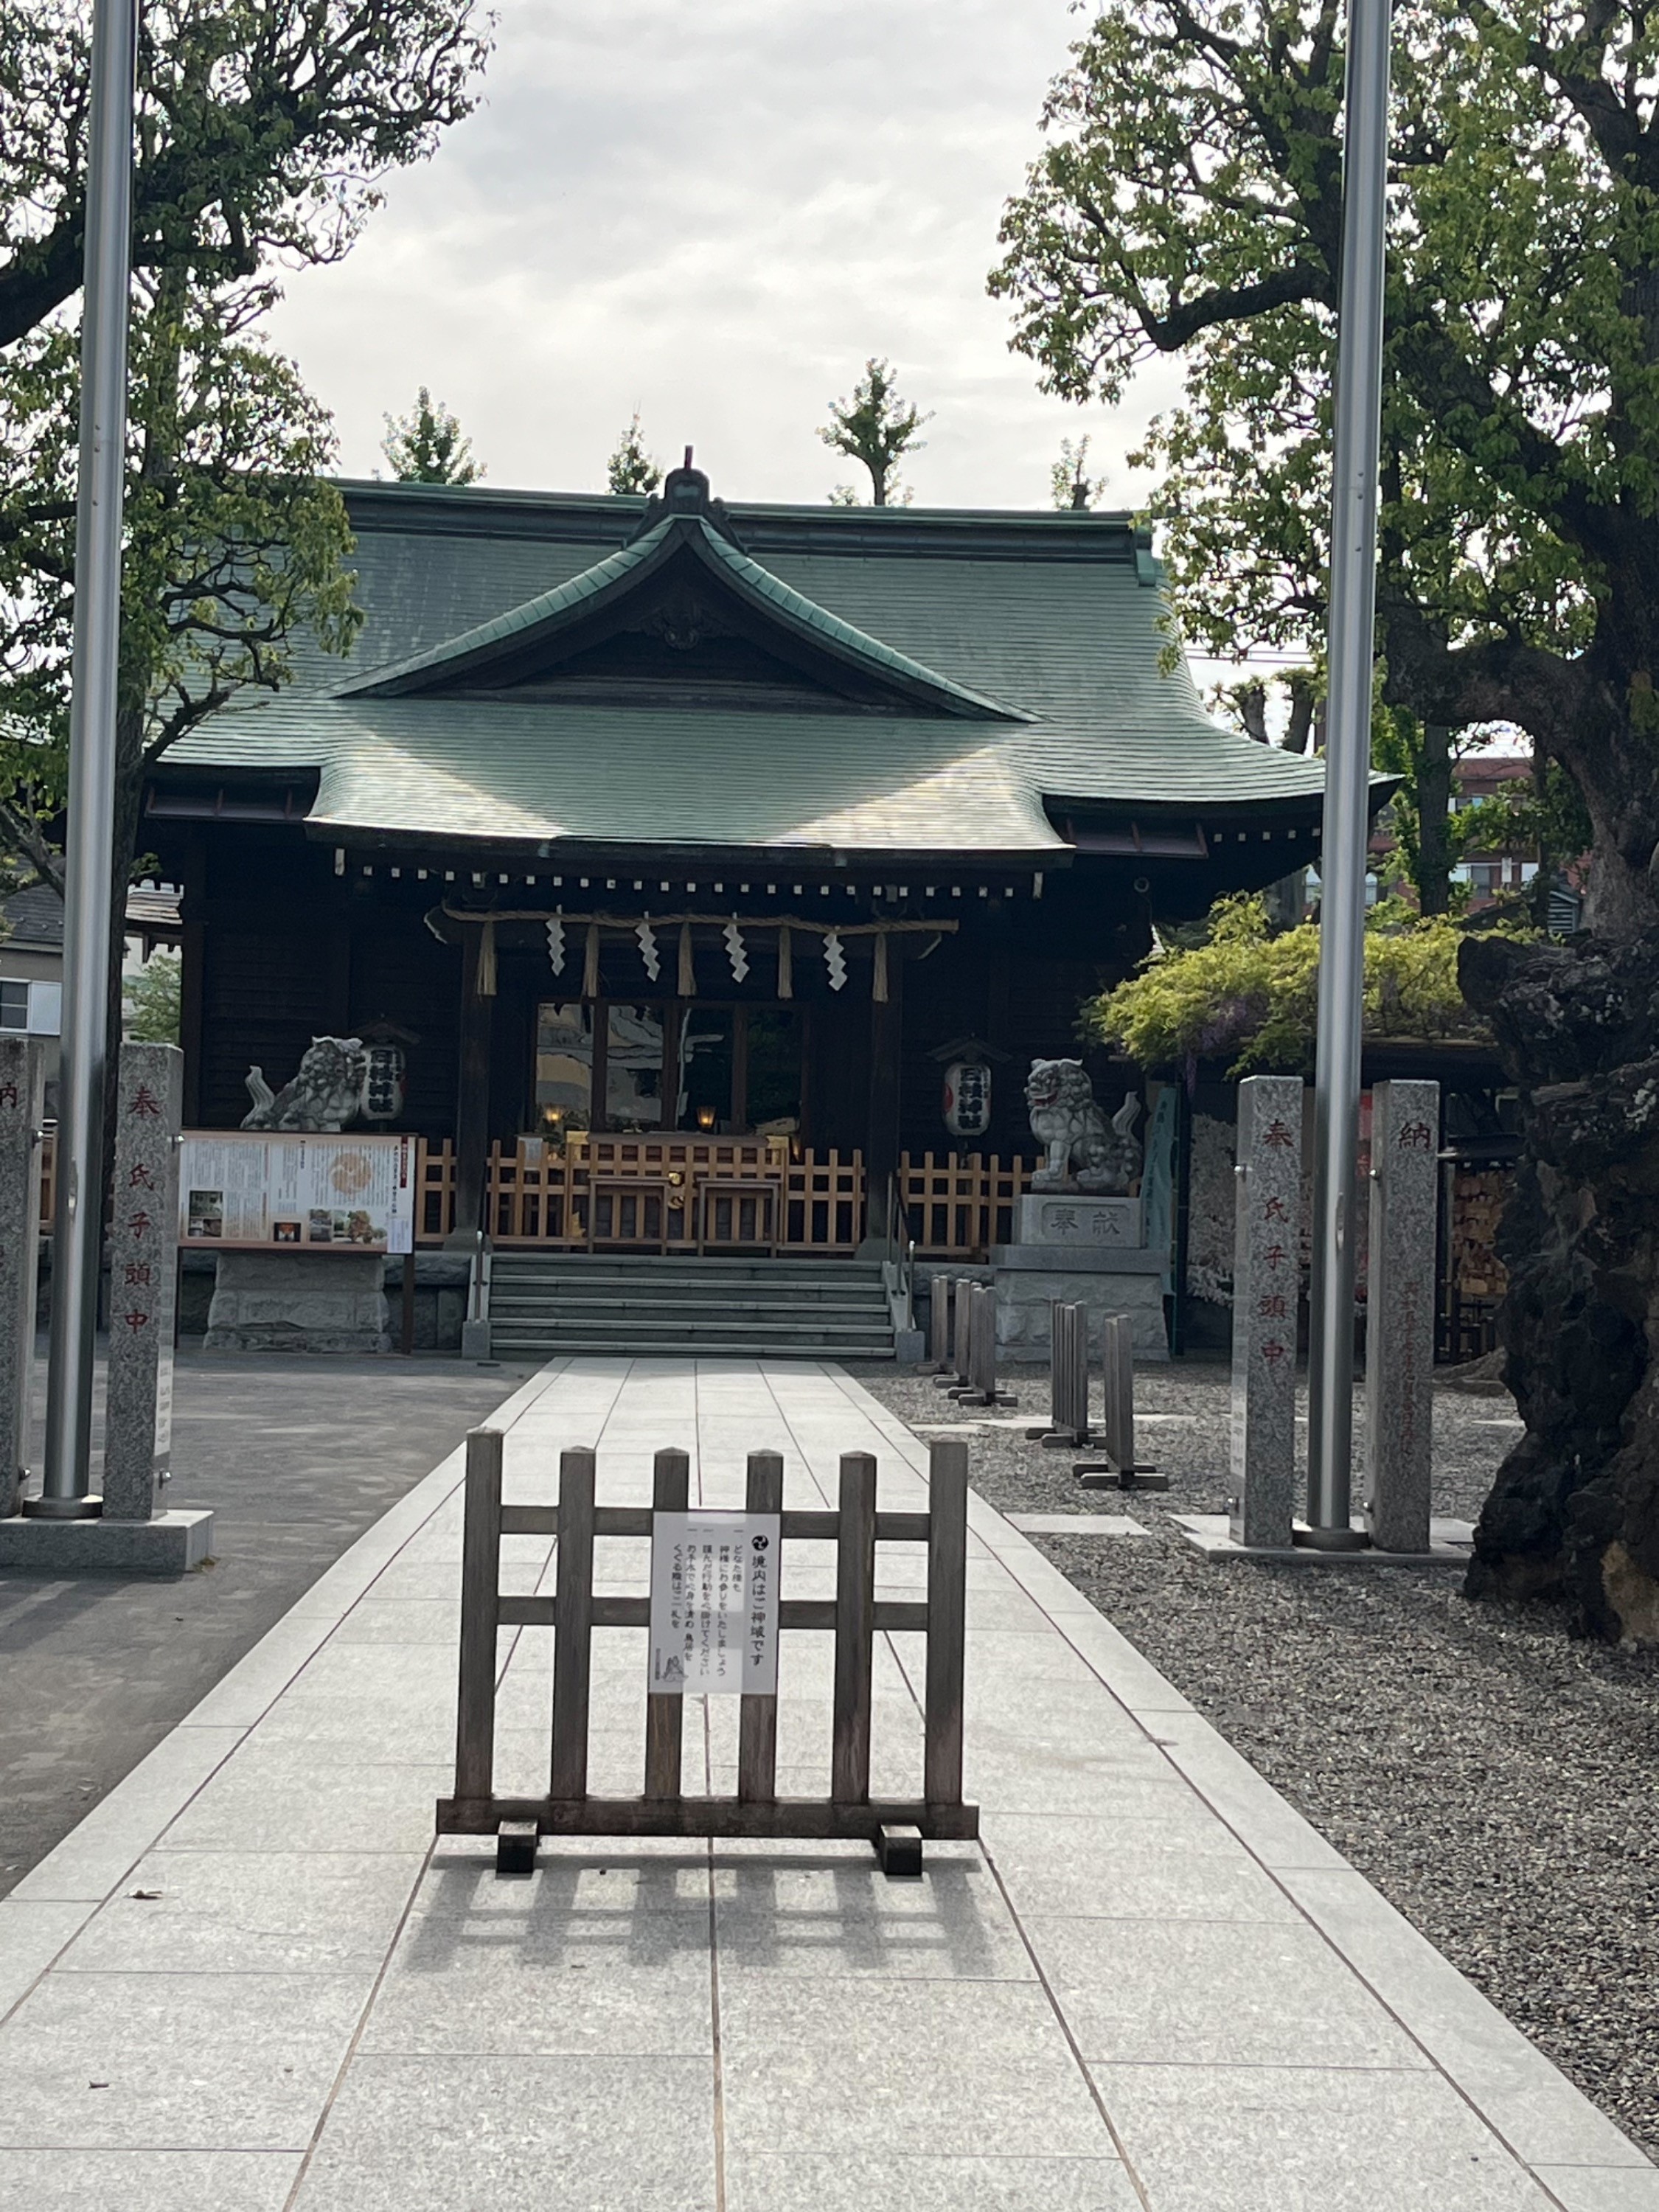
325 1094
1086 1152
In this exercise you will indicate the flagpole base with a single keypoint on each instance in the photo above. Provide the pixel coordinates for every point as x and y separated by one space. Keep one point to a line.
1331 1539
89 1508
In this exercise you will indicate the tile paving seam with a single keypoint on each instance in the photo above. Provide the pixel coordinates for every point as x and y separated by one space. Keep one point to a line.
1017 1547
1119 2147
1065 2026
309 2149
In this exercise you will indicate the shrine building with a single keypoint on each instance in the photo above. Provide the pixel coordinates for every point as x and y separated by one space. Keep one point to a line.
680 839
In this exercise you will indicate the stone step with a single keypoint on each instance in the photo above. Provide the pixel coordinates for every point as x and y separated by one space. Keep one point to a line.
759 1299
648 1325
681 1270
629 1347
547 1302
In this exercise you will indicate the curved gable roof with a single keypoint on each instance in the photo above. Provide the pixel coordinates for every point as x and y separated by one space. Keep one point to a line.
541 630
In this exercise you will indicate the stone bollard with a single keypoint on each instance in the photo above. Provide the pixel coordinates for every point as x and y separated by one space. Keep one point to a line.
23 1088
1399 1313
143 1277
1266 1278
1119 1469
1118 1377
980 1388
939 1325
960 1293
1068 1377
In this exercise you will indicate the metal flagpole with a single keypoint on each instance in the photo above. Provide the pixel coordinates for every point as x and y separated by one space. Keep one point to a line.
1347 775
78 1220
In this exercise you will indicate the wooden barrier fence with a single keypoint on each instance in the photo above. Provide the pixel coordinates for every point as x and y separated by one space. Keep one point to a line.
695 1195
960 1205
894 1827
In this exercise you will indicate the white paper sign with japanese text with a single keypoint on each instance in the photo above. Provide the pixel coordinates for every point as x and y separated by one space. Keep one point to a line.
714 1603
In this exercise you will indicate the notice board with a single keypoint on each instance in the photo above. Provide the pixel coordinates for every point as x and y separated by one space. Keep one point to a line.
251 1190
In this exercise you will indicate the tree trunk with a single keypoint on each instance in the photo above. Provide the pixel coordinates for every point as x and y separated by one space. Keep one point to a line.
1574 1514
1434 791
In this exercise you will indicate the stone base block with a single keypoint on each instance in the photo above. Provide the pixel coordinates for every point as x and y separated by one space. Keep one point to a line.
1450 1544
168 1543
1080 1222
475 1341
1024 1293
299 1302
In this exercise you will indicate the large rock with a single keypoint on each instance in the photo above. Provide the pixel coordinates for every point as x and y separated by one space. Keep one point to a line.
1574 1514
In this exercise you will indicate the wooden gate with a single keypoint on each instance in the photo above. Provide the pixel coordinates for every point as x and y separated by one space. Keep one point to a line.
894 1827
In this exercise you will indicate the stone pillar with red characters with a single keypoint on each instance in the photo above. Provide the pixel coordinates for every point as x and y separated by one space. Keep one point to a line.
1405 1203
1266 1282
21 1088
143 1277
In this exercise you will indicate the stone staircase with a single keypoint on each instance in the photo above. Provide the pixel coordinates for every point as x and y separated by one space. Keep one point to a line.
545 1303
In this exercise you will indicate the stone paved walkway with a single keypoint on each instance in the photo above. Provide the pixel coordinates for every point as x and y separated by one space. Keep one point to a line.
249 1981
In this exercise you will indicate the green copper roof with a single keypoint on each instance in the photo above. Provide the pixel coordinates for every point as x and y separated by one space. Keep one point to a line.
967 621
540 620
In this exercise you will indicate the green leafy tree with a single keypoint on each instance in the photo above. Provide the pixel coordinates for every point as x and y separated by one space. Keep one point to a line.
876 427
153 999
630 469
1188 204
426 446
1239 990
1069 481
264 129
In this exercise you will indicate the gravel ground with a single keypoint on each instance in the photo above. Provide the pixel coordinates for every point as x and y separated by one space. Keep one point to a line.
1494 1779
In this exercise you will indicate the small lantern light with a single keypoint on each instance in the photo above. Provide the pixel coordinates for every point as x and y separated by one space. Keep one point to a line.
705 1117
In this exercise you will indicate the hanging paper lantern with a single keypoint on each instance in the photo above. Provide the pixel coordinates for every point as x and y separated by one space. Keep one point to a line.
555 943
735 953
835 960
648 953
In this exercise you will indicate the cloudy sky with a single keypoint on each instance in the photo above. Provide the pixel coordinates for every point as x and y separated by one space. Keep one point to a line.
715 212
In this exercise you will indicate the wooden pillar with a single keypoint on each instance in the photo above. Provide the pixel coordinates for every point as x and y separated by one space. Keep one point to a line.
881 1143
471 1096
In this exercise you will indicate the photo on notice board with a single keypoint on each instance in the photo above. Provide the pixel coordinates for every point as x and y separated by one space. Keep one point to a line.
204 1213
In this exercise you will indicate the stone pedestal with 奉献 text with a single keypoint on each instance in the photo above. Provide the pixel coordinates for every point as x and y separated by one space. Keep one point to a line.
1267 1278
1399 1313
1075 1249
143 1275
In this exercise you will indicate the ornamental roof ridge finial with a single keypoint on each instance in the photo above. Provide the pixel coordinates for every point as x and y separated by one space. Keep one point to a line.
685 492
